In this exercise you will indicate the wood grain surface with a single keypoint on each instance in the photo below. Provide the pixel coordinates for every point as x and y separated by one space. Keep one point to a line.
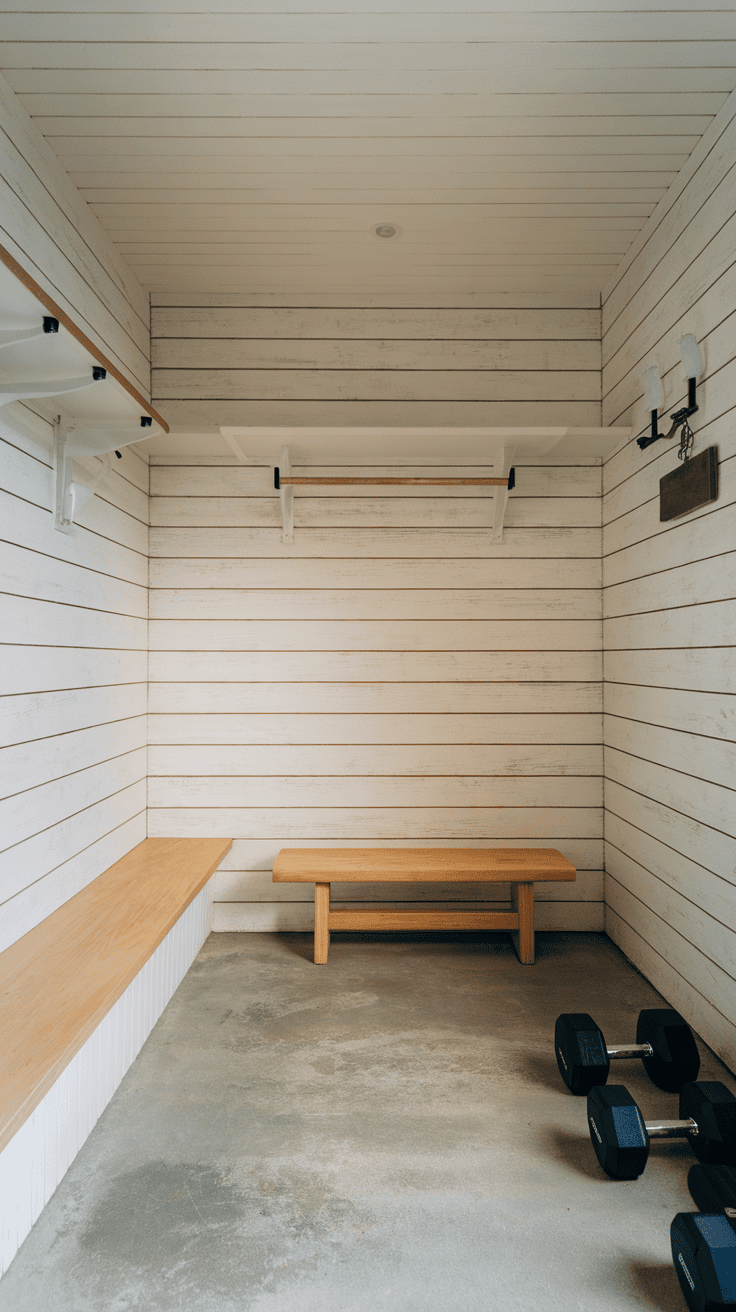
392 865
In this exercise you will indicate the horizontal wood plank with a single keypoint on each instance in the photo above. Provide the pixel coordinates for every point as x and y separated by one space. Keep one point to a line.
548 698
374 604
271 728
374 636
464 759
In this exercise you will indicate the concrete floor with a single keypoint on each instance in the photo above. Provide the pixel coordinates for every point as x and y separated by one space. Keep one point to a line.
386 1132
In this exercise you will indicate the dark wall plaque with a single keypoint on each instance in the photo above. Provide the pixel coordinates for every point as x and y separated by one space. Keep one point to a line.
692 484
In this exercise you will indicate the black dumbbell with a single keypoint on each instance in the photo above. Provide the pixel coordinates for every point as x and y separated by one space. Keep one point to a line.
664 1042
704 1244
621 1136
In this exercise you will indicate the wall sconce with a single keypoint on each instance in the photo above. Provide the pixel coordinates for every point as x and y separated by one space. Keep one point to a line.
692 364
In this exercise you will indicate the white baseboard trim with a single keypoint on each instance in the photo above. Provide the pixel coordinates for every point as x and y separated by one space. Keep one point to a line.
35 1160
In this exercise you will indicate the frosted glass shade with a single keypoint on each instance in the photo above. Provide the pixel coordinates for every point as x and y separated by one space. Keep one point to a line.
653 394
692 360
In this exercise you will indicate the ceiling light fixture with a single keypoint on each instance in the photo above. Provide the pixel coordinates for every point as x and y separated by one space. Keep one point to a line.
385 230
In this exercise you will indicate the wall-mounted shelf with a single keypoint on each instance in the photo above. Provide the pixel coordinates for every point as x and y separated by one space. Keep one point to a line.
45 357
500 450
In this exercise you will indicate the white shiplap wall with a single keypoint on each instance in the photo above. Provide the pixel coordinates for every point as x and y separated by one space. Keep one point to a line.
74 607
73 704
390 678
272 360
48 227
670 692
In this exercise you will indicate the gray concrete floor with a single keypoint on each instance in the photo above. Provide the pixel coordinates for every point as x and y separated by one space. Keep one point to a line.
388 1131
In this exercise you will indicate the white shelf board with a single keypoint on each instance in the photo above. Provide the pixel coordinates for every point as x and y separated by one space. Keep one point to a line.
395 446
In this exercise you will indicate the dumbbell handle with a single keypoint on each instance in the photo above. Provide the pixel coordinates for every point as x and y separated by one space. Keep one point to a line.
630 1050
670 1129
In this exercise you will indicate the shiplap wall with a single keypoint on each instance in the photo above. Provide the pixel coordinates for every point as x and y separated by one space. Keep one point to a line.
52 232
670 691
73 704
74 607
264 360
389 678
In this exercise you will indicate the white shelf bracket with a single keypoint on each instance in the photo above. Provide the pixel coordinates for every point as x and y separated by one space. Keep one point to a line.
71 443
286 495
31 391
237 450
501 469
63 506
14 336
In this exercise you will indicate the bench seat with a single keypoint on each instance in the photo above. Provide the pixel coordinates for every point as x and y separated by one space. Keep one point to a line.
59 981
517 866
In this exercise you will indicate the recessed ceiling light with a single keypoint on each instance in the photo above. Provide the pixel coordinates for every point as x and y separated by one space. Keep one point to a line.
386 230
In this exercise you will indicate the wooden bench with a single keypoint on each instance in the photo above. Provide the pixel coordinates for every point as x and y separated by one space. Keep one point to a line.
59 981
519 867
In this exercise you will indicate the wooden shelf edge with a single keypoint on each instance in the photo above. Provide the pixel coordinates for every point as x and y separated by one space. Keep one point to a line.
30 283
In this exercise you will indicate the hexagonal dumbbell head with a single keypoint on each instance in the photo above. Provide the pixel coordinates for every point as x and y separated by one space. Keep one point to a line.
580 1049
704 1254
713 1108
713 1188
703 1250
617 1132
675 1060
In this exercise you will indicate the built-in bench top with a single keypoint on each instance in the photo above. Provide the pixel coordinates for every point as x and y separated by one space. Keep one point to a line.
59 981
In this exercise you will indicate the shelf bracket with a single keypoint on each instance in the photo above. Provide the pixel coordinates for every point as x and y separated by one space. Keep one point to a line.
56 387
286 496
501 469
78 443
237 450
13 336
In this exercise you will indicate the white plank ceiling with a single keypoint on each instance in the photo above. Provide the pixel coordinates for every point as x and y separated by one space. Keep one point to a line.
252 145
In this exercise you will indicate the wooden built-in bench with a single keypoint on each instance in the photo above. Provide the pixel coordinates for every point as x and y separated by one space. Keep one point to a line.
59 981
519 867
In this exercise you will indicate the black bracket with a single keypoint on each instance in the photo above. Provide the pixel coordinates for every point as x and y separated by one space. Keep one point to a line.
678 417
98 373
512 479
50 325
276 478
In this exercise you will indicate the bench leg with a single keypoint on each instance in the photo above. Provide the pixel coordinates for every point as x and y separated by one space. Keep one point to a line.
321 923
522 901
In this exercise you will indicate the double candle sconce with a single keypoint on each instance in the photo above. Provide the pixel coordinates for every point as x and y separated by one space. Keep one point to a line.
692 363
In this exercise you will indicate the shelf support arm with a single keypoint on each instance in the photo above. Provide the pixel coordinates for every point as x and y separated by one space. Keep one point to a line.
501 469
286 495
56 387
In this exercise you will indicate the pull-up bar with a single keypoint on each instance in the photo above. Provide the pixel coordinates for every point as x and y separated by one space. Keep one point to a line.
286 480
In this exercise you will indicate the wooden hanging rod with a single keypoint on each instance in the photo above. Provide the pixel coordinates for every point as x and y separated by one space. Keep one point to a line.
286 480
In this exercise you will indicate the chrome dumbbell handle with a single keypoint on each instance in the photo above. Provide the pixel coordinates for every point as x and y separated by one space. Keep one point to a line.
630 1050
670 1129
